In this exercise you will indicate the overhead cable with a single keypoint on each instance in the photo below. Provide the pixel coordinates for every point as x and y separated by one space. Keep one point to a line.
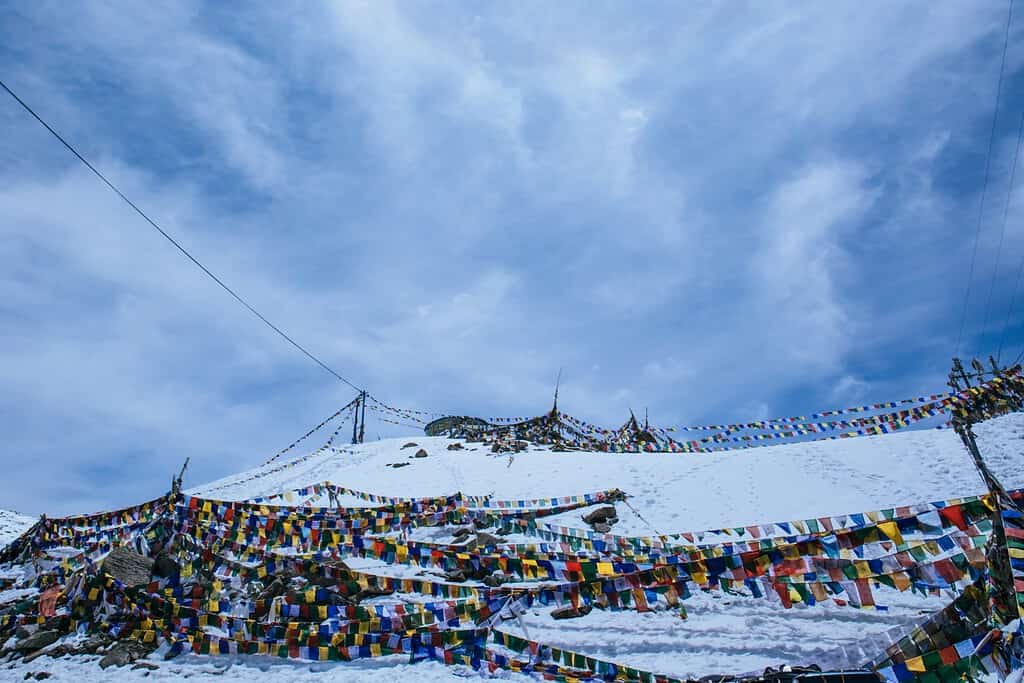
175 242
984 187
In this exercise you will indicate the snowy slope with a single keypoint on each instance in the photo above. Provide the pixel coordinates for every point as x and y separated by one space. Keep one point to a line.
670 493
673 492
12 525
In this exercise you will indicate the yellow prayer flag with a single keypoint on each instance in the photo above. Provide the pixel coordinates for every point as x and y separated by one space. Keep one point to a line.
892 530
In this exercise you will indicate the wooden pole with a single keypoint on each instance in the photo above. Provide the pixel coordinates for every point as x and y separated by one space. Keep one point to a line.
355 419
362 418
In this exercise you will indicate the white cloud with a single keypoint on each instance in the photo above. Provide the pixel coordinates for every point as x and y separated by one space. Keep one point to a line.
802 254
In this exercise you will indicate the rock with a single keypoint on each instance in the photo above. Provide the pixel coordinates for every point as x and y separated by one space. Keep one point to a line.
396 465
570 612
605 513
477 573
485 539
145 665
276 588
42 675
165 566
455 446
61 624
370 592
462 532
411 444
496 579
117 656
420 454
23 632
455 576
124 653
325 580
334 598
601 527
92 644
37 640
59 651
128 567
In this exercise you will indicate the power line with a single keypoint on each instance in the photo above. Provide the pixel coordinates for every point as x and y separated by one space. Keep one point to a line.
984 187
176 244
1002 230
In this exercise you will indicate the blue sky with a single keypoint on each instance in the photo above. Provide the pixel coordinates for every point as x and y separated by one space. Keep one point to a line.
715 211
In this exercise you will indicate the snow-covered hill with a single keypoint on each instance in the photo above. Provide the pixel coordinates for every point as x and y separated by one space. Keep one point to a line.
672 492
12 525
668 493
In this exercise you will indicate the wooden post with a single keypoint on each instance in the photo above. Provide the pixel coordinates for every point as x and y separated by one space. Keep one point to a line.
355 419
362 418
176 481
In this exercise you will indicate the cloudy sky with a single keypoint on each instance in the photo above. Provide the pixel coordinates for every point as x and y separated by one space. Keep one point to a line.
712 210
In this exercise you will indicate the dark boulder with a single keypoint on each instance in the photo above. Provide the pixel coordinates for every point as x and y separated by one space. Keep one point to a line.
605 514
485 539
165 566
124 653
371 592
128 567
570 612
37 640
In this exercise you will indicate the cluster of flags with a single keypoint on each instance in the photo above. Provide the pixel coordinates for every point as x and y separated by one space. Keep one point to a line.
460 619
926 547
